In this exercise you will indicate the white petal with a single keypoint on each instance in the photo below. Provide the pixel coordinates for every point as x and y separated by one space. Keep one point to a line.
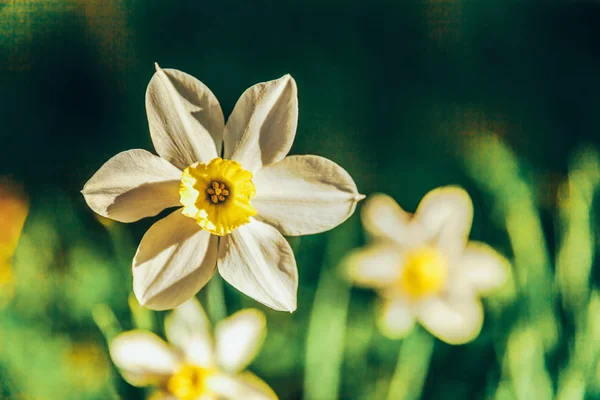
302 195
143 358
483 267
396 319
185 118
245 386
160 395
175 259
262 126
133 184
188 328
239 338
384 219
453 320
258 261
373 266
446 213
258 386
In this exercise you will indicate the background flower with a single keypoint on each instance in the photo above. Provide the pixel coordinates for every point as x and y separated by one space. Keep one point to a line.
198 366
424 267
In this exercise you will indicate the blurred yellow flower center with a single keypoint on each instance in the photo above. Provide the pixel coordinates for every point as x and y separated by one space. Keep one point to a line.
189 383
217 195
425 272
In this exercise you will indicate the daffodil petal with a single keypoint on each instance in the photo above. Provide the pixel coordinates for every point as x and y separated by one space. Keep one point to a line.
453 320
483 267
245 386
238 339
302 195
375 266
258 261
396 319
132 185
174 260
188 328
258 385
262 126
384 219
446 215
160 395
185 119
143 358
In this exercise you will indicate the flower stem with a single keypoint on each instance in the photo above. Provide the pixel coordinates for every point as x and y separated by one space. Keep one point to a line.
412 366
215 298
106 320
326 338
327 326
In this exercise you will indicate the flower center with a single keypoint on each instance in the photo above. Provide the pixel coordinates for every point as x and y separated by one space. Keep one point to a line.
217 192
189 383
425 272
217 195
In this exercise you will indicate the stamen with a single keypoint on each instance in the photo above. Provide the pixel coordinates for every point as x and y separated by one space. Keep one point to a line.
217 192
425 272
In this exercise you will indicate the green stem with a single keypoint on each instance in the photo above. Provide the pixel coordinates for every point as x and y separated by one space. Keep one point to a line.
107 321
516 205
412 366
326 338
215 298
327 327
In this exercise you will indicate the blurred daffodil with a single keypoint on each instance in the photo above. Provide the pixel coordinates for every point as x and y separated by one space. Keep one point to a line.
424 267
196 366
238 190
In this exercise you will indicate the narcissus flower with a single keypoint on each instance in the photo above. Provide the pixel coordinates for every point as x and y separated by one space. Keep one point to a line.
424 267
238 192
196 366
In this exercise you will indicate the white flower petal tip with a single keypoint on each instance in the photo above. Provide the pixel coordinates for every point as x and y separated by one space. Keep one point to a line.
486 270
143 357
455 322
245 386
260 387
384 219
174 260
184 117
395 319
448 212
374 266
305 194
188 328
239 339
132 185
262 126
258 261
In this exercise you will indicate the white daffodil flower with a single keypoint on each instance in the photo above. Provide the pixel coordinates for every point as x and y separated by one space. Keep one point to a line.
424 267
196 366
238 192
